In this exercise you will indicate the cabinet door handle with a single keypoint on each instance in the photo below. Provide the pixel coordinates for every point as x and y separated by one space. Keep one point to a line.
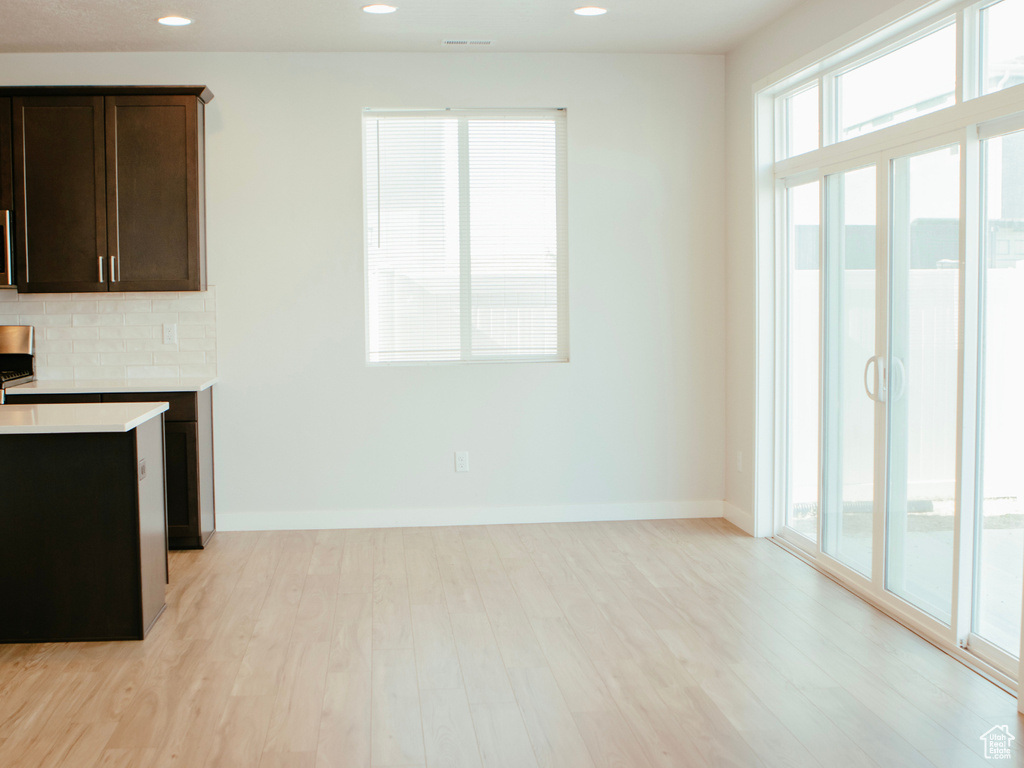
101 270
113 269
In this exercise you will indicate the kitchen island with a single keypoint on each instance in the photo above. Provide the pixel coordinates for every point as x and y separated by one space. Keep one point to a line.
83 553
188 441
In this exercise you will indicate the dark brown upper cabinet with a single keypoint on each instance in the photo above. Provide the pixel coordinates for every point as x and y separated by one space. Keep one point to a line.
60 229
109 188
6 195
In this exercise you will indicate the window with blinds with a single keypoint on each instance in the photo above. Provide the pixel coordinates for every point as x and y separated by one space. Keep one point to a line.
465 236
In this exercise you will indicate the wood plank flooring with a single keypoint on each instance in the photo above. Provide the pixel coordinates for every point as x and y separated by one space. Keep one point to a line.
659 644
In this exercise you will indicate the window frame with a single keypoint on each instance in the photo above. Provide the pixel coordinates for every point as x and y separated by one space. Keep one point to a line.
467 357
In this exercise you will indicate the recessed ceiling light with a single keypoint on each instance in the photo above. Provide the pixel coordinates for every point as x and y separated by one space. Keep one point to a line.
590 10
378 8
175 21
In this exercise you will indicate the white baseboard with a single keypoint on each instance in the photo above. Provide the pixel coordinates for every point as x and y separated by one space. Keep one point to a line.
739 517
412 518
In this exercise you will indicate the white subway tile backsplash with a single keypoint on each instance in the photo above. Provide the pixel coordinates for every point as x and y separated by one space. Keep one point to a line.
179 358
60 347
191 332
129 332
45 320
157 371
70 333
117 335
110 319
180 305
160 296
126 358
150 318
202 371
137 305
70 307
54 373
185 344
147 345
104 345
85 358
197 318
99 372
120 307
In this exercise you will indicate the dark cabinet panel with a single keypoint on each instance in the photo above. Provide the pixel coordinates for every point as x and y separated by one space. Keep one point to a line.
6 157
6 195
182 479
59 194
16 399
182 405
153 168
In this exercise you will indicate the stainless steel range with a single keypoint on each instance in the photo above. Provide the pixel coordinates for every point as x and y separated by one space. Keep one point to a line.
17 356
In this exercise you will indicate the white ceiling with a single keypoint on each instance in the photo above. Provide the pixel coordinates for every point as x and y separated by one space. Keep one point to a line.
641 26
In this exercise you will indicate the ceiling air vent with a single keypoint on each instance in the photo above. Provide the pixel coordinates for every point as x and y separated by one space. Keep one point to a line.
467 43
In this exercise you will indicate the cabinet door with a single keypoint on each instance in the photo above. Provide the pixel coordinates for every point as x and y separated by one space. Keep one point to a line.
6 195
182 477
59 195
153 192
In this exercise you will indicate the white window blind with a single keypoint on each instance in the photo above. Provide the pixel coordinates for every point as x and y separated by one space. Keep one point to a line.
465 236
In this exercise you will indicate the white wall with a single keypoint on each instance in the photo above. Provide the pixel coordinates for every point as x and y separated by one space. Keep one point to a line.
306 434
812 27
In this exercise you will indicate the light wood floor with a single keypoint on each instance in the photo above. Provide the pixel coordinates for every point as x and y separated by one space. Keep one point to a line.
596 645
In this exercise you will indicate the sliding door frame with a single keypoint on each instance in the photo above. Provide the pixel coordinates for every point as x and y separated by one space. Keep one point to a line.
972 118
956 637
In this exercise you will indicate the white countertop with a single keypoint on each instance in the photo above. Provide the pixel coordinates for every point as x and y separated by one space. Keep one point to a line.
99 386
79 417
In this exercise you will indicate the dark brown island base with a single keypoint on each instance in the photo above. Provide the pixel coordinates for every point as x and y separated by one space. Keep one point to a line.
83 554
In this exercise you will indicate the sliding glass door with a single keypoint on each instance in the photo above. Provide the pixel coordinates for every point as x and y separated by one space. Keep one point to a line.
904 411
852 367
803 287
999 524
892 254
924 332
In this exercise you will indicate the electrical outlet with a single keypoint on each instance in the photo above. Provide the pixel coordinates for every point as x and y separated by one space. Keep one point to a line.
739 461
170 333
142 469
462 461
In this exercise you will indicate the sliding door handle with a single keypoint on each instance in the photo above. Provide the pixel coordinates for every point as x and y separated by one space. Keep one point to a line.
879 378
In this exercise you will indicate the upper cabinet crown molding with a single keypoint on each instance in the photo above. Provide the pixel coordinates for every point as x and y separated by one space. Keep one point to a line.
109 187
201 92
